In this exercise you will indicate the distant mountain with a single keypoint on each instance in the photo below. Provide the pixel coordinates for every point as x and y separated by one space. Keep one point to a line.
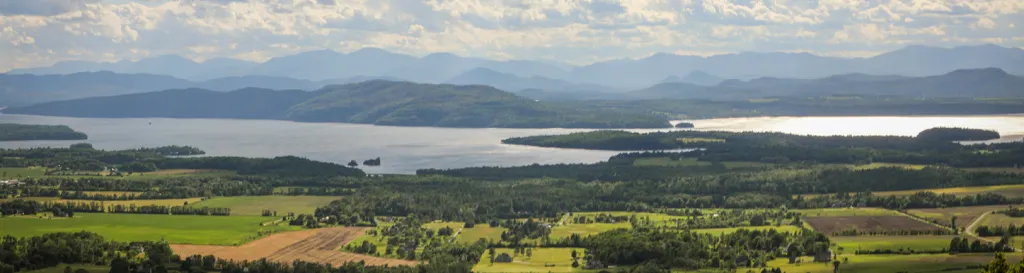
171 65
696 77
963 83
20 90
510 82
917 61
373 102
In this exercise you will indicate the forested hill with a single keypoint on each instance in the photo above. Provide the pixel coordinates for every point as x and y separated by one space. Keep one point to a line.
371 102
10 131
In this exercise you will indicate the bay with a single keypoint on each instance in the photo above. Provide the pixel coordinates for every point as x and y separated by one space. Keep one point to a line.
406 149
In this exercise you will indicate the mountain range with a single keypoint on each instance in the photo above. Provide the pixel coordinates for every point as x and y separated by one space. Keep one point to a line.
378 102
916 61
18 90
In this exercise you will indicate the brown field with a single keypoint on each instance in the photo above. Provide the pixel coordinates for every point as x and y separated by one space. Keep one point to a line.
832 224
313 245
964 215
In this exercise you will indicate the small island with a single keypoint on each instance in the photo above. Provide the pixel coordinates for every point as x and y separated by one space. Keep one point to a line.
372 162
957 134
686 125
14 132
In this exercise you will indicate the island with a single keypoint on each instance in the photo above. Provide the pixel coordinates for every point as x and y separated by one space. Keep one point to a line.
15 132
957 134
684 125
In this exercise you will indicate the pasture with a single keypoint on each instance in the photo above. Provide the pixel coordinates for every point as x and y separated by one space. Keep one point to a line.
965 215
177 229
919 263
480 231
1006 190
693 162
6 173
254 205
584 230
1001 220
851 244
542 260
833 224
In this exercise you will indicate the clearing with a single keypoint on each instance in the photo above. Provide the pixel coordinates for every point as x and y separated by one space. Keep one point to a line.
542 260
254 205
851 244
313 245
834 224
179 229
965 215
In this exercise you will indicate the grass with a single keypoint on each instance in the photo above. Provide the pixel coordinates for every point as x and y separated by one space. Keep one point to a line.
965 215
584 229
254 205
176 229
1000 220
1005 190
112 193
851 244
719 231
847 212
878 165
919 263
22 172
693 162
480 231
556 259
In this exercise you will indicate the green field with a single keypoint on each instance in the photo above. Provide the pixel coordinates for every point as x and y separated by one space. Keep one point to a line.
557 259
22 172
718 231
919 263
584 230
1000 220
847 212
877 165
60 268
176 229
693 162
851 244
254 205
965 215
688 140
480 231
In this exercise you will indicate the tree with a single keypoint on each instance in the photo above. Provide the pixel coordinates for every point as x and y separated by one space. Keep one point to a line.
574 254
491 253
575 263
997 265
952 224
835 266
529 252
67 269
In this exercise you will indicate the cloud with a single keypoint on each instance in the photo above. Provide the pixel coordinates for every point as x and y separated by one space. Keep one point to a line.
41 32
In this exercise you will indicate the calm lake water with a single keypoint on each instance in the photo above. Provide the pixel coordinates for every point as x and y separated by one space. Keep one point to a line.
405 149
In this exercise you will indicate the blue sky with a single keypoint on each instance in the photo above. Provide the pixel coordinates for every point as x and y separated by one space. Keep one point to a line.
41 32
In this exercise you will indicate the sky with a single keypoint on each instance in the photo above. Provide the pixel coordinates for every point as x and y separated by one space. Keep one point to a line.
41 32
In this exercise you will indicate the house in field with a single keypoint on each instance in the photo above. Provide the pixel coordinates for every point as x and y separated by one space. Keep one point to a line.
503 258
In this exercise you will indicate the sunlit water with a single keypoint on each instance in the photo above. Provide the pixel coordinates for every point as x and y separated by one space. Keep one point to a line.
405 149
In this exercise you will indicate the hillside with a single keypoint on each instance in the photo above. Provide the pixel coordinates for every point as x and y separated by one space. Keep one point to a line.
371 102
11 132
413 104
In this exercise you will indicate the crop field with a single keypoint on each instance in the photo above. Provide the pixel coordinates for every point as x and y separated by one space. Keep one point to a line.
847 212
439 225
178 229
965 215
999 219
919 263
851 244
60 268
1007 190
542 260
112 193
471 235
833 224
254 205
584 229
22 172
313 245
878 165
177 173
719 231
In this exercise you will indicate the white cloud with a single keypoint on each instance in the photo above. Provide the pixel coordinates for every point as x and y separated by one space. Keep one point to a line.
40 32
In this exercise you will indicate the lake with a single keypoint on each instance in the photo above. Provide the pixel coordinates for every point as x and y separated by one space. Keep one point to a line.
406 149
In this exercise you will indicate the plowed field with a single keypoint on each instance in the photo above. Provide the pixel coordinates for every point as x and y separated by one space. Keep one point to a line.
832 224
314 245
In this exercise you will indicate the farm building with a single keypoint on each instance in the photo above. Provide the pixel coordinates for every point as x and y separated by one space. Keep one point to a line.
503 258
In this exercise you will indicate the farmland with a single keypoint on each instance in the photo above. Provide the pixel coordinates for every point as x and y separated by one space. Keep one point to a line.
542 260
314 245
718 231
850 244
847 212
835 224
920 263
22 172
180 229
965 215
254 205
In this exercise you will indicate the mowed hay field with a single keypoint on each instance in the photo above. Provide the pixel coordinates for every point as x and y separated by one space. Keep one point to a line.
847 212
22 172
1000 220
470 235
180 229
543 260
919 263
832 224
1006 190
965 215
851 244
313 245
254 205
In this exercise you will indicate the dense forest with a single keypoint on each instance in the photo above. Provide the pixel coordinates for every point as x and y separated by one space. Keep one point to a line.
10 132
